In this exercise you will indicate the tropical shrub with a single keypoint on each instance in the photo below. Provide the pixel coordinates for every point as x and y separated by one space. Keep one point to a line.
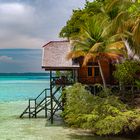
126 72
104 115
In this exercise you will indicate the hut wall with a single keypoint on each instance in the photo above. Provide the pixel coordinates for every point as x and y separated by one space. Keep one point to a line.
84 78
106 71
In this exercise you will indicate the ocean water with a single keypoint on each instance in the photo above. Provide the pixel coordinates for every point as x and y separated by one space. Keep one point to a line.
20 88
14 94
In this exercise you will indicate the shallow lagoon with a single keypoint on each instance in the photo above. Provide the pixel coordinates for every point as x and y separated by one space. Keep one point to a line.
14 128
14 92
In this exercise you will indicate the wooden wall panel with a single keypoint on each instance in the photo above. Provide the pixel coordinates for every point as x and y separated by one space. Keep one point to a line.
85 79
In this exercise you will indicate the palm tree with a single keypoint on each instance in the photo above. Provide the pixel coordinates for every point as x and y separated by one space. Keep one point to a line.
115 29
126 21
95 44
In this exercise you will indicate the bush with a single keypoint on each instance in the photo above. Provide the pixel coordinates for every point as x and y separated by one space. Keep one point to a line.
104 115
126 72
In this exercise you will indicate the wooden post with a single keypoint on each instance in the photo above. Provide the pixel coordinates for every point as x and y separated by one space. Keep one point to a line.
63 98
45 103
51 95
29 109
35 109
75 76
94 90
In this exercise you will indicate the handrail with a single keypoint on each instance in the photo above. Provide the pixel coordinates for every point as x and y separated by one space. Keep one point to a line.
24 111
42 102
41 93
38 104
58 88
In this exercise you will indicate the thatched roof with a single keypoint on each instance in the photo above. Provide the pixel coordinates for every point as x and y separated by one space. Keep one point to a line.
54 56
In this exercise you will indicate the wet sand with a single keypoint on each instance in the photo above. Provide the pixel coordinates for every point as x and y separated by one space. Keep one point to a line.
14 128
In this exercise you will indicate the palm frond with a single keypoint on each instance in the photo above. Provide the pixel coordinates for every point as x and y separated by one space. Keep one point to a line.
136 32
95 47
113 56
75 54
88 57
80 45
116 45
111 4
116 37
93 29
118 23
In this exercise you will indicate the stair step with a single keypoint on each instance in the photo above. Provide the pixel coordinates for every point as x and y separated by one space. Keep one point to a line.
41 102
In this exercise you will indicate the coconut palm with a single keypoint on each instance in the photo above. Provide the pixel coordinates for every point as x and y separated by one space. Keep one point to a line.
126 21
117 25
95 44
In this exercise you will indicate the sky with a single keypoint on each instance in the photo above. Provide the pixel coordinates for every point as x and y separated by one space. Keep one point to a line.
25 26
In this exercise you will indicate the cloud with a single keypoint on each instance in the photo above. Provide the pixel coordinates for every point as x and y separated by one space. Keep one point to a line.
6 59
20 60
17 25
15 13
31 23
12 8
21 41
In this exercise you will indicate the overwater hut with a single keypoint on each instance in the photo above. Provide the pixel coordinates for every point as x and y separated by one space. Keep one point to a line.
54 58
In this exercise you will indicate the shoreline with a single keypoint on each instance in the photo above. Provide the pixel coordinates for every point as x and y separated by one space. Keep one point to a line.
14 128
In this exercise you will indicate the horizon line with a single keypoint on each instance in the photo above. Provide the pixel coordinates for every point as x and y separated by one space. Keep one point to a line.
20 48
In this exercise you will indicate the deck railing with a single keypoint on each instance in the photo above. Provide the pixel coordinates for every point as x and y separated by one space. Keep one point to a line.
62 81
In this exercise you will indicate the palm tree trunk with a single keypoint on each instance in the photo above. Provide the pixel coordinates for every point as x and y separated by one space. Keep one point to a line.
102 75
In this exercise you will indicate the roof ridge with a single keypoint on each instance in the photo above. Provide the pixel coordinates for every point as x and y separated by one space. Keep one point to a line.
56 41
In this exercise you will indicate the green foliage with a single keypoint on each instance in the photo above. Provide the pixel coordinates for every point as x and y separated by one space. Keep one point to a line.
126 72
66 74
73 25
122 17
103 115
78 18
78 94
137 83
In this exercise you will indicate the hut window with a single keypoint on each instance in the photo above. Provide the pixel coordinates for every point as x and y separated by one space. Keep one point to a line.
74 61
96 71
92 64
89 71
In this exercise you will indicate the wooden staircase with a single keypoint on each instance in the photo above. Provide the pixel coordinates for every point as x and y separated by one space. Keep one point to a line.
49 101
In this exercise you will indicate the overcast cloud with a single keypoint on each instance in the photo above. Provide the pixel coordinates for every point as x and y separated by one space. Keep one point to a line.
31 23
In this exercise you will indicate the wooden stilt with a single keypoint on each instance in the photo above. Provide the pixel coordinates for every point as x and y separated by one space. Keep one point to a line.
29 109
35 109
51 95
73 75
45 103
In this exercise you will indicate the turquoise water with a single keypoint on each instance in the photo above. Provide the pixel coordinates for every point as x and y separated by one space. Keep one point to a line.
14 90
19 88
